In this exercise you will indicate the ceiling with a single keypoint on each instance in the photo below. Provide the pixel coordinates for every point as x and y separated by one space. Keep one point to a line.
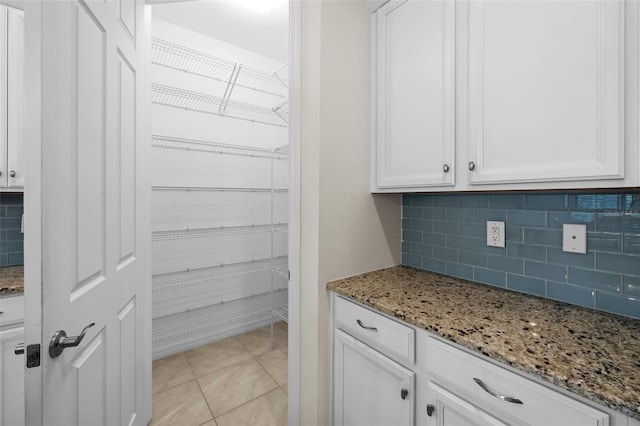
264 33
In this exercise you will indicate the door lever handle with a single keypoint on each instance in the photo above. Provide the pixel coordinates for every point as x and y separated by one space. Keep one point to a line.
19 350
60 341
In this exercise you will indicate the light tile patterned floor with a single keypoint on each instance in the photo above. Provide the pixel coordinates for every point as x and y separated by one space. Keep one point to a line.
236 381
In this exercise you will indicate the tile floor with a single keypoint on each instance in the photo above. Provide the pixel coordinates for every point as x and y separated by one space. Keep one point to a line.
236 381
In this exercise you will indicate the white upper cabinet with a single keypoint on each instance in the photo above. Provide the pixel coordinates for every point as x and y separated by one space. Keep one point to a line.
11 98
546 90
414 45
545 93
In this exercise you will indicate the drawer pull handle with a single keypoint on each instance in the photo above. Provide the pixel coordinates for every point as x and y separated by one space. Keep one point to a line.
365 327
404 393
497 395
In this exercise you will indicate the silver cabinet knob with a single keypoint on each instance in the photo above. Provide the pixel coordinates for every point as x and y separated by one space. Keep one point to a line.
12 173
60 341
472 165
445 168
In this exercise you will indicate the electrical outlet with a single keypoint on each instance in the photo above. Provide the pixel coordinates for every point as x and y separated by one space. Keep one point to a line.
495 233
574 238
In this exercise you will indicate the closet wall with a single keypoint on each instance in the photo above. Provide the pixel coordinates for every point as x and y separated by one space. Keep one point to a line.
219 199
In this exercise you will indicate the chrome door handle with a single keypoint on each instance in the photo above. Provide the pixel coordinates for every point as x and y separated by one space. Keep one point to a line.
365 327
60 341
19 350
497 395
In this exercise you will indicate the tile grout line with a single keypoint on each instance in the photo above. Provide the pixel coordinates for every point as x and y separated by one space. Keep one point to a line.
200 388
245 403
195 378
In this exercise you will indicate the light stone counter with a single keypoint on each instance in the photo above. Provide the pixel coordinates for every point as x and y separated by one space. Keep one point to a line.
11 280
594 354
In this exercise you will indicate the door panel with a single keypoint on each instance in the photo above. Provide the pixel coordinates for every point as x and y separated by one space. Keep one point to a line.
89 369
90 107
15 98
546 90
95 228
415 93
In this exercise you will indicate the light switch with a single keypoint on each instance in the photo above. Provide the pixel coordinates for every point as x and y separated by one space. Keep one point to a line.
574 238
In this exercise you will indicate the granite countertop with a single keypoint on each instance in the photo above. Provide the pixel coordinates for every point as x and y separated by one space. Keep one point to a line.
594 354
11 280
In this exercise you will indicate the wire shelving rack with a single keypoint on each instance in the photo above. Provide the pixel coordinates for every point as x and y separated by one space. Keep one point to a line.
210 104
182 58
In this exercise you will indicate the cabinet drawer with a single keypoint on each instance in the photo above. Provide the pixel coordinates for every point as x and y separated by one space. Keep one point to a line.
467 374
12 309
379 331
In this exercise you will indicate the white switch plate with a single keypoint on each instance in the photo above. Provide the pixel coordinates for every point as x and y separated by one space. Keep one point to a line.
495 233
574 238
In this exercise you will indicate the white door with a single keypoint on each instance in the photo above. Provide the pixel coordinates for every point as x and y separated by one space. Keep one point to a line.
546 90
87 205
415 110
447 409
369 388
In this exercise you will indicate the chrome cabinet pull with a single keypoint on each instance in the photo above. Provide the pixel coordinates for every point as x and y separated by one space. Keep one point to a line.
60 341
19 350
445 168
12 173
497 395
472 165
404 393
365 327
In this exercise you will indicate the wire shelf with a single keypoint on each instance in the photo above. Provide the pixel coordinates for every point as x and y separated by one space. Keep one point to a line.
209 104
283 149
171 142
283 272
283 74
193 249
282 312
178 234
187 330
206 207
182 58
183 291
282 110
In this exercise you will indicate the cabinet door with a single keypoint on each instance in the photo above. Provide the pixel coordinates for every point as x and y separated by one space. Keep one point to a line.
15 87
451 410
369 388
4 20
11 378
414 91
546 90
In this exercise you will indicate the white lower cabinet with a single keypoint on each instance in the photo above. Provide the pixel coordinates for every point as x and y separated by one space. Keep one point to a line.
377 382
369 388
11 378
448 409
460 384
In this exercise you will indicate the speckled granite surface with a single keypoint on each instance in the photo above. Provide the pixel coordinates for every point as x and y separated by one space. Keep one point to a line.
593 354
11 280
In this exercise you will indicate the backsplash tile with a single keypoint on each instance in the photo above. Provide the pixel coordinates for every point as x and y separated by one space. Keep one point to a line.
11 239
446 233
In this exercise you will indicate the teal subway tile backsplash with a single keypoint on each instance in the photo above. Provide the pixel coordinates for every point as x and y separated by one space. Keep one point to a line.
446 233
11 239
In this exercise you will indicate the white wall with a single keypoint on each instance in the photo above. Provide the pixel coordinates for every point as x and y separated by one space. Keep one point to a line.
344 229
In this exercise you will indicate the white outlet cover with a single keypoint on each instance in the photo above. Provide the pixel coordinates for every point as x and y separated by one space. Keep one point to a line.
574 238
495 233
